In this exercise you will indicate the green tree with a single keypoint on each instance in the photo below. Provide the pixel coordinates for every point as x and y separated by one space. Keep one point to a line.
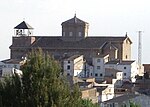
132 104
88 103
41 85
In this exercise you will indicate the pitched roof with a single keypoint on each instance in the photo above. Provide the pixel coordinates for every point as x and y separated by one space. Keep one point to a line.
113 62
120 62
11 61
73 57
88 42
85 84
121 98
23 25
109 45
74 20
127 62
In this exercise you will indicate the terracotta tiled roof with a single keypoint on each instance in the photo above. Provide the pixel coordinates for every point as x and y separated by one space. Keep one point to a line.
87 43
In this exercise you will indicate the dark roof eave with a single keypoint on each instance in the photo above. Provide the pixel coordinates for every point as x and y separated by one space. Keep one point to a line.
19 47
66 48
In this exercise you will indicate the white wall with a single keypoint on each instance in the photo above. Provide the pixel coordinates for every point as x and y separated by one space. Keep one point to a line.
3 65
108 93
98 68
76 66
129 71
10 71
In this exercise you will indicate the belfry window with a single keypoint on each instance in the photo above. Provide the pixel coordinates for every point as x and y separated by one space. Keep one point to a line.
70 34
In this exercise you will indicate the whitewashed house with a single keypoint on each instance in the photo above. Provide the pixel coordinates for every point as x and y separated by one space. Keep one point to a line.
97 69
113 76
106 91
8 72
74 66
128 67
9 66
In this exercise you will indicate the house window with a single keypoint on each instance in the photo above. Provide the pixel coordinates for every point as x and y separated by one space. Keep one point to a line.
124 74
98 67
126 56
80 34
68 61
70 34
125 68
98 60
68 67
96 74
91 74
15 66
101 75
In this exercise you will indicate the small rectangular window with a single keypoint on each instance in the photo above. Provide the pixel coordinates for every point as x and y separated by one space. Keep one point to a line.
98 60
125 74
68 67
98 67
101 75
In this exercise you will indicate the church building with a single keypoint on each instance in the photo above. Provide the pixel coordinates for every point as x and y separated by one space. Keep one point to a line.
73 41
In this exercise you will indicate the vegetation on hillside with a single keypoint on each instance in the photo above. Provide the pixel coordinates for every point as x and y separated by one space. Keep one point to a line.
41 85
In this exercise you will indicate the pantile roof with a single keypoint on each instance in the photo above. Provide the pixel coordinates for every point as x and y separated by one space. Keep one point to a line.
23 25
52 42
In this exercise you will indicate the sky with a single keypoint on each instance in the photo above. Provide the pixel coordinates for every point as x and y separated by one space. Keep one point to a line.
105 18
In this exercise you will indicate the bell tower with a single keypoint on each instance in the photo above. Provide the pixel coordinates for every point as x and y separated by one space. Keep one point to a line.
23 29
23 38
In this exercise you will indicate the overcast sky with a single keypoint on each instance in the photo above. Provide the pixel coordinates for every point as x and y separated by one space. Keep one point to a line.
105 17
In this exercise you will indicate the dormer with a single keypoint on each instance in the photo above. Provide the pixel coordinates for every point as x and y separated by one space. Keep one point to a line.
74 29
23 29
